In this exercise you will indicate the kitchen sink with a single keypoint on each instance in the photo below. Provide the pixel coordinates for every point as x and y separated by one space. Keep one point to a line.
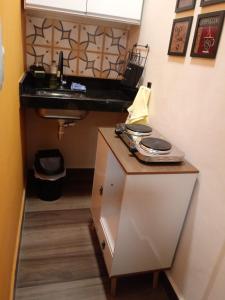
60 93
65 114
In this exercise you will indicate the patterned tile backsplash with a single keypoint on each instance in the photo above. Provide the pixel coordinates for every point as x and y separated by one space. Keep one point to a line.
89 50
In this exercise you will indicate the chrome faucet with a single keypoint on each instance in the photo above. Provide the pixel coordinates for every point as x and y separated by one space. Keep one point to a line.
60 70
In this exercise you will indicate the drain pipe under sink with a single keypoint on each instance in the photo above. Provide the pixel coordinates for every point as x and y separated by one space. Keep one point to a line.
66 118
64 124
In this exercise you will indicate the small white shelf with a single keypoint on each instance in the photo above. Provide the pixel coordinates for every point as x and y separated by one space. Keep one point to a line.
138 215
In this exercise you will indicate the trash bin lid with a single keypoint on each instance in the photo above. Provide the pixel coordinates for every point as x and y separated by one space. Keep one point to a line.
49 177
49 162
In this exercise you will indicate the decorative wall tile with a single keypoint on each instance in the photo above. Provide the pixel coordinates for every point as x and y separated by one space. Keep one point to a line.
38 55
38 31
65 34
91 65
115 41
89 50
113 66
92 37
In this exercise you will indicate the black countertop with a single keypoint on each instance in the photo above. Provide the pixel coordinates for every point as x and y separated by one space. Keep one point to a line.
101 94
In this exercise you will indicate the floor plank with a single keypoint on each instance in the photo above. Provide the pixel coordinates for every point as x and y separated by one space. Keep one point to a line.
59 269
92 289
68 202
55 218
68 240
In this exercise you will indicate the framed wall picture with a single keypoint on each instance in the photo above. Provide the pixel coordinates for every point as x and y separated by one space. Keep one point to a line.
183 5
207 34
210 2
179 36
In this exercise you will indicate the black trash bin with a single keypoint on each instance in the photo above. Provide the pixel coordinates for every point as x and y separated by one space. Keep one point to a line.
49 173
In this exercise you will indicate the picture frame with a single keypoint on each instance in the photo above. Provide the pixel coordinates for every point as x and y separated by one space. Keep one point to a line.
207 34
183 5
179 36
210 2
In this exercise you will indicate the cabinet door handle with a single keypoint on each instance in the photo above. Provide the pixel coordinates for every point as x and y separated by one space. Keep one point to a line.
103 245
101 190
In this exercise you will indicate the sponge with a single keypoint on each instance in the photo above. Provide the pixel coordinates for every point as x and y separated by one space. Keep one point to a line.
78 87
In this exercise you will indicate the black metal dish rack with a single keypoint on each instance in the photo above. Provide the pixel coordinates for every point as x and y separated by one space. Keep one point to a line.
135 64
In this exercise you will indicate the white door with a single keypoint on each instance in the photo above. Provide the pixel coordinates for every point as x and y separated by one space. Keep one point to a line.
126 10
77 6
99 178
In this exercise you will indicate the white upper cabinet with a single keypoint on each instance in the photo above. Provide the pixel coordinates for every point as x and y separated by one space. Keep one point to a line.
121 10
68 6
128 11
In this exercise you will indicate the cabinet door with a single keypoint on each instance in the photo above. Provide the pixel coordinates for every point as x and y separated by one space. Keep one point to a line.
111 202
99 176
125 10
73 6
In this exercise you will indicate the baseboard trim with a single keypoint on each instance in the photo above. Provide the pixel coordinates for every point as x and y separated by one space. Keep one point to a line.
87 173
17 247
173 286
169 288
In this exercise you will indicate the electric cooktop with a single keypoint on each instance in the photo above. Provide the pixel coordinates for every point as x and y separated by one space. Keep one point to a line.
147 144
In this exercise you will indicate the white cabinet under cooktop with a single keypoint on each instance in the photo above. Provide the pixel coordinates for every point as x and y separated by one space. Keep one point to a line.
138 210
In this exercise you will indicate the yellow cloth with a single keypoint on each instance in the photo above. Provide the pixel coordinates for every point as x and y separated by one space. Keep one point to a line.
138 111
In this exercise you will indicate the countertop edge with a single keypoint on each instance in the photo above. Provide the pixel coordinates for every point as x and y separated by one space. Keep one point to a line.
98 99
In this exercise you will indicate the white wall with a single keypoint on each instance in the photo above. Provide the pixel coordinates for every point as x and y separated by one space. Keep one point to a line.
188 107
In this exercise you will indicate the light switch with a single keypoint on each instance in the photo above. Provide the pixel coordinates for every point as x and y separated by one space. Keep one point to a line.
1 58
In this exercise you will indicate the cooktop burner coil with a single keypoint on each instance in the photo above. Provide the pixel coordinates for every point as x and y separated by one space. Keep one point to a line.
155 145
138 129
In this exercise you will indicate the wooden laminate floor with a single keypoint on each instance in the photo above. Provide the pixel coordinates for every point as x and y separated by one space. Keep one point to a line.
60 257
